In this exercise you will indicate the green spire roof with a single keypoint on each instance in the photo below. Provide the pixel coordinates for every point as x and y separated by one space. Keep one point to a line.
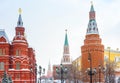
66 39
92 8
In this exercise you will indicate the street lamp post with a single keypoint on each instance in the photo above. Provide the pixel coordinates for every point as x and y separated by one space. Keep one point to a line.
62 70
35 73
99 73
96 71
118 81
109 64
31 79
41 72
90 71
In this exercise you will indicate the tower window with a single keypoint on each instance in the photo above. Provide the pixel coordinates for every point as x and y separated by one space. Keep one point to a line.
18 52
18 33
89 29
18 65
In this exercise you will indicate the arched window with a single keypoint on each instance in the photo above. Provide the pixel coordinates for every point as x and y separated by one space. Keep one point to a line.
3 51
18 65
18 33
18 52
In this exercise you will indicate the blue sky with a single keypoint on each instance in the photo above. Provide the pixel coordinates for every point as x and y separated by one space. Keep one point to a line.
45 22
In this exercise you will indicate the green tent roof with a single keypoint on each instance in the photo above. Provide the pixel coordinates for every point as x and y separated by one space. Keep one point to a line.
66 40
92 8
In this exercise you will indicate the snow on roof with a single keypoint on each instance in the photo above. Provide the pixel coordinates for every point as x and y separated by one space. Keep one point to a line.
3 34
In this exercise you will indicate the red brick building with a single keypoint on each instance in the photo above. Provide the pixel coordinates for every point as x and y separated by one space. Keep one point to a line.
16 57
92 46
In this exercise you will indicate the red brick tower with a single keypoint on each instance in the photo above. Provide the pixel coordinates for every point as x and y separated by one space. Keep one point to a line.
92 45
17 58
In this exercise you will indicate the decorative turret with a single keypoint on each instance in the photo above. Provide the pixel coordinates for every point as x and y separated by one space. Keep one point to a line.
92 25
66 54
20 45
20 30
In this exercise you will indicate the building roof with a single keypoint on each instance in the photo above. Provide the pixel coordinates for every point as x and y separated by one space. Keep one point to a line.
20 22
66 40
92 8
3 34
92 25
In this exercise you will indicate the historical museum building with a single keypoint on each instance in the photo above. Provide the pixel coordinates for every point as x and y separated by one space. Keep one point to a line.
17 59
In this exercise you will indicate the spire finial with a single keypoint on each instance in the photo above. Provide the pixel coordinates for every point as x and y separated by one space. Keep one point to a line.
20 10
92 8
66 30
20 23
91 2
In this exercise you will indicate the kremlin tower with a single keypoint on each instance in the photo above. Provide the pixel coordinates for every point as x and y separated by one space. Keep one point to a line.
66 54
49 71
17 59
65 62
92 51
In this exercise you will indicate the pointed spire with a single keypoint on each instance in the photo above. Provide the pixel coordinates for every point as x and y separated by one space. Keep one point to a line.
49 72
66 39
92 25
66 55
92 12
92 8
49 66
20 22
